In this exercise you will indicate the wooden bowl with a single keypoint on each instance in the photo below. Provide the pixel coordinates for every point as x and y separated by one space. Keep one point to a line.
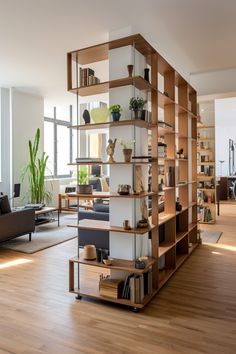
108 262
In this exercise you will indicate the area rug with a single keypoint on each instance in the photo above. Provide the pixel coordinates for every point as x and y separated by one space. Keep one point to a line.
209 236
45 236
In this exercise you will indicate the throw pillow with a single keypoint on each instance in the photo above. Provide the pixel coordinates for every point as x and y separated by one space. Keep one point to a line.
100 207
4 204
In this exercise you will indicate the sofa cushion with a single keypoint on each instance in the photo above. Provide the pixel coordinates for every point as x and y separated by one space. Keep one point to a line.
100 207
4 204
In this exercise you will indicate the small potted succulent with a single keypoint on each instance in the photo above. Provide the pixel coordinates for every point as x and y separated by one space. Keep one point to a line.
136 104
127 146
115 112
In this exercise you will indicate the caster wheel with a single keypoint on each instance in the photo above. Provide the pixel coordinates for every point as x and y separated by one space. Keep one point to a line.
78 297
135 309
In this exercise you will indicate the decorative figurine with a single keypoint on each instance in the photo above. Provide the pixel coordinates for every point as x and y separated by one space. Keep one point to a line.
144 212
86 116
110 150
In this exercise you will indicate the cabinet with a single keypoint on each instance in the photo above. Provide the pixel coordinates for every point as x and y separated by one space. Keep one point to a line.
171 117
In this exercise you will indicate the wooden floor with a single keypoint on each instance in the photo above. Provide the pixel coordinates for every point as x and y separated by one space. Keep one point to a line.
194 313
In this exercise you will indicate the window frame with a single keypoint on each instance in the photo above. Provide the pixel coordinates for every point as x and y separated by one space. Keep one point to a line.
59 122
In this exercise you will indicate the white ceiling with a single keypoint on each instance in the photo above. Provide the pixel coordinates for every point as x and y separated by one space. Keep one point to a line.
194 35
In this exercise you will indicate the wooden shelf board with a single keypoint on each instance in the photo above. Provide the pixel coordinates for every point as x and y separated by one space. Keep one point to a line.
192 204
164 247
181 235
104 87
206 139
93 292
205 177
206 189
166 189
204 150
192 226
206 204
100 52
164 131
97 195
164 276
118 264
163 218
210 163
136 122
88 224
181 185
192 182
205 126
164 100
114 163
182 211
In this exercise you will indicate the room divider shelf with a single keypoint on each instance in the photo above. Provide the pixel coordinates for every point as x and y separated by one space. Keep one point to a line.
177 127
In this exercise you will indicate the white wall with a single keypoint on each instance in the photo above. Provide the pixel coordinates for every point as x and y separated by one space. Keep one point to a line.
214 82
225 120
5 140
27 116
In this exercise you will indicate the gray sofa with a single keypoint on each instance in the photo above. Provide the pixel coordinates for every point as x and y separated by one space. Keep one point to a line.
98 238
17 223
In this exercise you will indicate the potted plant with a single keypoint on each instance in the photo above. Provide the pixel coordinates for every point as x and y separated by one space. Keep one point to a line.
83 187
115 112
127 146
136 104
35 170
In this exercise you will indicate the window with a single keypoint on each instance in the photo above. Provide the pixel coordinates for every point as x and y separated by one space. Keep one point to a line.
58 144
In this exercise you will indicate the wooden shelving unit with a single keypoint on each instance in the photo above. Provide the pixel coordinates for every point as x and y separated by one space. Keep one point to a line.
173 233
206 166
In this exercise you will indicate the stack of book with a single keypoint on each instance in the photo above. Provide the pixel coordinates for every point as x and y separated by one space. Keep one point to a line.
88 159
87 77
137 286
111 288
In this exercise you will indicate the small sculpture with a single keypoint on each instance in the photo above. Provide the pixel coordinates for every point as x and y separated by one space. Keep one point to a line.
110 150
86 116
144 212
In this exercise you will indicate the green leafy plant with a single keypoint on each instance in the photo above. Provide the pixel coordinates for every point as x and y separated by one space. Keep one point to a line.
137 103
116 108
82 176
35 170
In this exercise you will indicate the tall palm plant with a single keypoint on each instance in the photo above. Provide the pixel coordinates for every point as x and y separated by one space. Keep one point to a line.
35 170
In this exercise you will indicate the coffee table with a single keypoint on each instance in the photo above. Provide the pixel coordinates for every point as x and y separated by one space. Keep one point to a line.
47 211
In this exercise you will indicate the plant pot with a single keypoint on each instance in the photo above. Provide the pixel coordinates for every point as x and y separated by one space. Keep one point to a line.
115 116
84 189
127 154
140 114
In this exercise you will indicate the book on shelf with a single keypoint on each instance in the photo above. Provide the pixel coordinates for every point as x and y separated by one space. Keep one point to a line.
87 77
137 286
88 159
